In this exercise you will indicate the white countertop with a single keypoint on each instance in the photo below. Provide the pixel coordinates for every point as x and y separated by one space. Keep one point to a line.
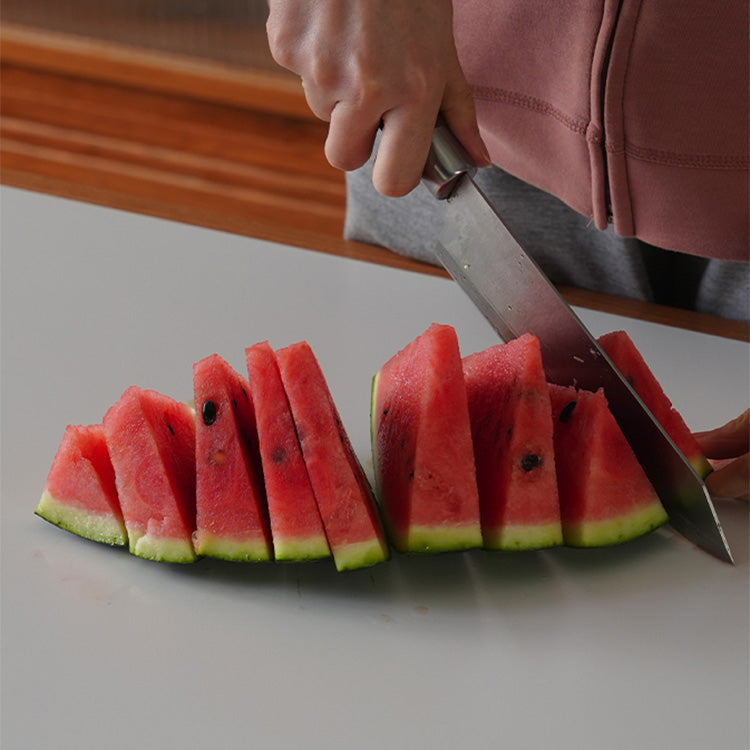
642 646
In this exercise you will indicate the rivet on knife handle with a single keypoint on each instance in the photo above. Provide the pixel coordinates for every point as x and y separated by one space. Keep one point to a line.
446 161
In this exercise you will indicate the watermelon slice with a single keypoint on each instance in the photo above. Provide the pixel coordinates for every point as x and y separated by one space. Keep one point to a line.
345 501
296 525
422 449
80 494
231 514
620 348
605 496
151 440
511 427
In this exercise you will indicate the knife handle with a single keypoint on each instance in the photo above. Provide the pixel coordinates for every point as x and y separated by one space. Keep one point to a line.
447 161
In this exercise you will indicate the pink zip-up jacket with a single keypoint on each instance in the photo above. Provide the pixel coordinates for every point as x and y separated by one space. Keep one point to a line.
633 112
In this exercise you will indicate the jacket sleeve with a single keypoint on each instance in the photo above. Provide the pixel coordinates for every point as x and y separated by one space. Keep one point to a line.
633 113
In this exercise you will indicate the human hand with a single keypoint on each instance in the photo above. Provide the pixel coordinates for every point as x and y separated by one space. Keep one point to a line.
364 63
727 448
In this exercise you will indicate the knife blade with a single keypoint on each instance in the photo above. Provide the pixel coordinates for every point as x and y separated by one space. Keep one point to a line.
513 293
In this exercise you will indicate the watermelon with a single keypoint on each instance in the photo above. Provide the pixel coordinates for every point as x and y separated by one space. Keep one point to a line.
511 428
620 348
151 441
605 496
231 515
467 453
296 525
422 448
342 492
80 494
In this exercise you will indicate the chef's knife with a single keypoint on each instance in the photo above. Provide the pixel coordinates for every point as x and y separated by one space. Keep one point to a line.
515 296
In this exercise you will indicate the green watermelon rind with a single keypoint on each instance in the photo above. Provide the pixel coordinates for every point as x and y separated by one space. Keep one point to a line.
373 429
230 548
161 549
360 555
97 527
302 549
701 465
610 532
523 537
435 539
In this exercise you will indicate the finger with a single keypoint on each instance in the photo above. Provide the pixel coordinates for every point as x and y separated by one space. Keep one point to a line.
732 480
321 103
459 112
351 136
730 440
402 152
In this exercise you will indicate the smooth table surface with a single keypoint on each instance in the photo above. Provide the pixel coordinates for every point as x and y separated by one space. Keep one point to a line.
644 645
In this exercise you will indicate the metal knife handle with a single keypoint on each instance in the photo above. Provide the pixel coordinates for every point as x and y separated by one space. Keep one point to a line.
446 161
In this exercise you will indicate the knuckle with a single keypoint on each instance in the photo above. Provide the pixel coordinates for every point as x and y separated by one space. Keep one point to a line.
319 71
280 46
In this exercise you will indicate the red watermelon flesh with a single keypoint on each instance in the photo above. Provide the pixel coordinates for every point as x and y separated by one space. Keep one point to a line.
345 501
151 441
296 525
80 494
422 449
620 348
231 514
605 496
511 426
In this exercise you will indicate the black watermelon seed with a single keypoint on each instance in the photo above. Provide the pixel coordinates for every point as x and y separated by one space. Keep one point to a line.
171 429
567 411
530 461
208 412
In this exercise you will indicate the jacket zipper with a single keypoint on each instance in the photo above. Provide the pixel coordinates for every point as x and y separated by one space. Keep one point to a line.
602 104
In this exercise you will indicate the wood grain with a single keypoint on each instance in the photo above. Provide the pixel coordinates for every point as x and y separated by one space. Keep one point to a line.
201 143
95 60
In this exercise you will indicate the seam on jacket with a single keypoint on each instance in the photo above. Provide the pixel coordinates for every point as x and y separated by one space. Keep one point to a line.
525 101
664 156
678 159
590 81
624 202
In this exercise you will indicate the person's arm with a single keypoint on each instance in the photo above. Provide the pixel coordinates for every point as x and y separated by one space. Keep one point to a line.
727 447
367 63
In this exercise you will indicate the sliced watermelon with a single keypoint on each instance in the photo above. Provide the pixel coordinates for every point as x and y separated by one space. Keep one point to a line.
620 348
345 501
231 514
296 525
80 494
151 440
422 449
511 427
605 496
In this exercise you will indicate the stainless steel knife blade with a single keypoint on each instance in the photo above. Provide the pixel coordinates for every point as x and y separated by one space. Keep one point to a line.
515 296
